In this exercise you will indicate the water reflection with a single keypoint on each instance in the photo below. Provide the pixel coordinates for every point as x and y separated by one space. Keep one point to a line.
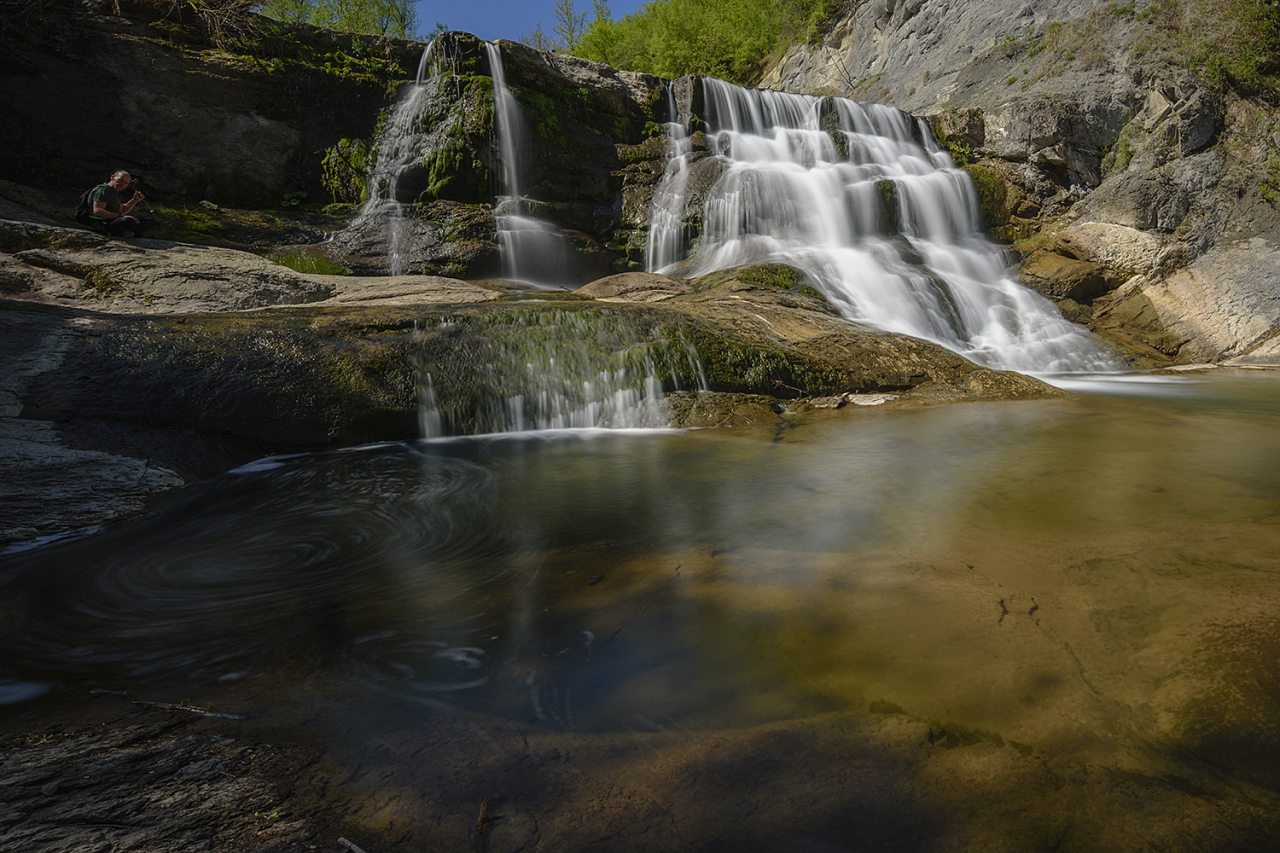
1037 573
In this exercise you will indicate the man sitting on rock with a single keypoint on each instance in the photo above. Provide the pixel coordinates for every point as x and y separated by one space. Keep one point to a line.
106 208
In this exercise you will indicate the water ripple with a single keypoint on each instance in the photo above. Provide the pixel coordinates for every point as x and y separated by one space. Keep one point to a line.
279 561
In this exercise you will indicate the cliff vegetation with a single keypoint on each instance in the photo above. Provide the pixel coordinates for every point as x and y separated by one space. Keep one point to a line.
671 38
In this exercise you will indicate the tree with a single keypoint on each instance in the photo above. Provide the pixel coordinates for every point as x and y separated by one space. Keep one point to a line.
732 40
374 17
570 24
292 11
538 39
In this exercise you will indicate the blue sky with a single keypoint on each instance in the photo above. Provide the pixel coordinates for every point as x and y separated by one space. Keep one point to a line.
508 19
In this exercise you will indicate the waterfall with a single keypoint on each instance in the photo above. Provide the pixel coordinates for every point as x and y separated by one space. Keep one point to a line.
531 250
557 369
666 243
867 204
398 148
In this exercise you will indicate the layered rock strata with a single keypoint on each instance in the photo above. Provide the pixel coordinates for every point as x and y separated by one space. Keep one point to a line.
1131 187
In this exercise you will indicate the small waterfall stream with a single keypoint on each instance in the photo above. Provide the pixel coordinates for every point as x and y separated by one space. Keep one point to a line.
864 201
556 369
396 150
530 249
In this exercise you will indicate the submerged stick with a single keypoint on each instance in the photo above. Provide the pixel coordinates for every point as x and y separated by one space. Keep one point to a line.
482 821
349 845
190 709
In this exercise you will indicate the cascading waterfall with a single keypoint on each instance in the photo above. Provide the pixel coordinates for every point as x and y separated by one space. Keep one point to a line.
398 148
866 203
665 245
530 249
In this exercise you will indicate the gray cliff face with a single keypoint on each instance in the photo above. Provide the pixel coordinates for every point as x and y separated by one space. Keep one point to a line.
1129 187
916 53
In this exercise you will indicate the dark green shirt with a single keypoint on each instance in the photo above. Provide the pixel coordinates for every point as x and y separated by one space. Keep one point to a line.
108 195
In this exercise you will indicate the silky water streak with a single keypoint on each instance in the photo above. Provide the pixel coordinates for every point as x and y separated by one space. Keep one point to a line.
531 250
546 368
866 203
399 148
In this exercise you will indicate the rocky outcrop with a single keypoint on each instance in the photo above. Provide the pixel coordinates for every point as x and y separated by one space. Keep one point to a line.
137 85
916 53
156 276
636 287
1224 307
83 270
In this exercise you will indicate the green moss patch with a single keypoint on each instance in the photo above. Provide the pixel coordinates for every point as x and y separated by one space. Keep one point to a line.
993 200
311 264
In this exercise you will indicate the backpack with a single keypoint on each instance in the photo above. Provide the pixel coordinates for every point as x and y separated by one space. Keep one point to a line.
84 208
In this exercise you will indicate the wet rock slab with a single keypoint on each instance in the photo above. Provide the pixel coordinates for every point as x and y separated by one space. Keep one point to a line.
154 782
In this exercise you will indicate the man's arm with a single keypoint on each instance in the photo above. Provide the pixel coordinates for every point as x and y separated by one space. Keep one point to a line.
101 211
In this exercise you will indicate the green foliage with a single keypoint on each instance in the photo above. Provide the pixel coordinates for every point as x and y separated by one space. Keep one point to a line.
570 24
1270 186
311 265
993 199
1245 52
778 277
962 154
191 225
397 18
293 199
278 49
343 170
728 40
1230 43
1117 159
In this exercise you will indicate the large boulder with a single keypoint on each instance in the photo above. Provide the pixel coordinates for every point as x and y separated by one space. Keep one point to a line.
1058 277
636 287
1117 247
157 276
1226 304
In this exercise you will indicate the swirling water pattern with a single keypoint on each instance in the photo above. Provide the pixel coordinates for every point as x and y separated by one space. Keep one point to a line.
278 560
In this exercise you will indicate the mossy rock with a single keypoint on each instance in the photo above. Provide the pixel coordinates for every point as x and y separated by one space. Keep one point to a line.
993 200
776 277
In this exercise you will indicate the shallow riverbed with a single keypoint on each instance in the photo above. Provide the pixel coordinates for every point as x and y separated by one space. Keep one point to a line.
1037 625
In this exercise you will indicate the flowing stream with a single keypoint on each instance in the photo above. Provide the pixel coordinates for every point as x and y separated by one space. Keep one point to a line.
864 201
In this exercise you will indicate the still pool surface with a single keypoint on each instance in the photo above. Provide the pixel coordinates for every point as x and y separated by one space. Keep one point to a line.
985 626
